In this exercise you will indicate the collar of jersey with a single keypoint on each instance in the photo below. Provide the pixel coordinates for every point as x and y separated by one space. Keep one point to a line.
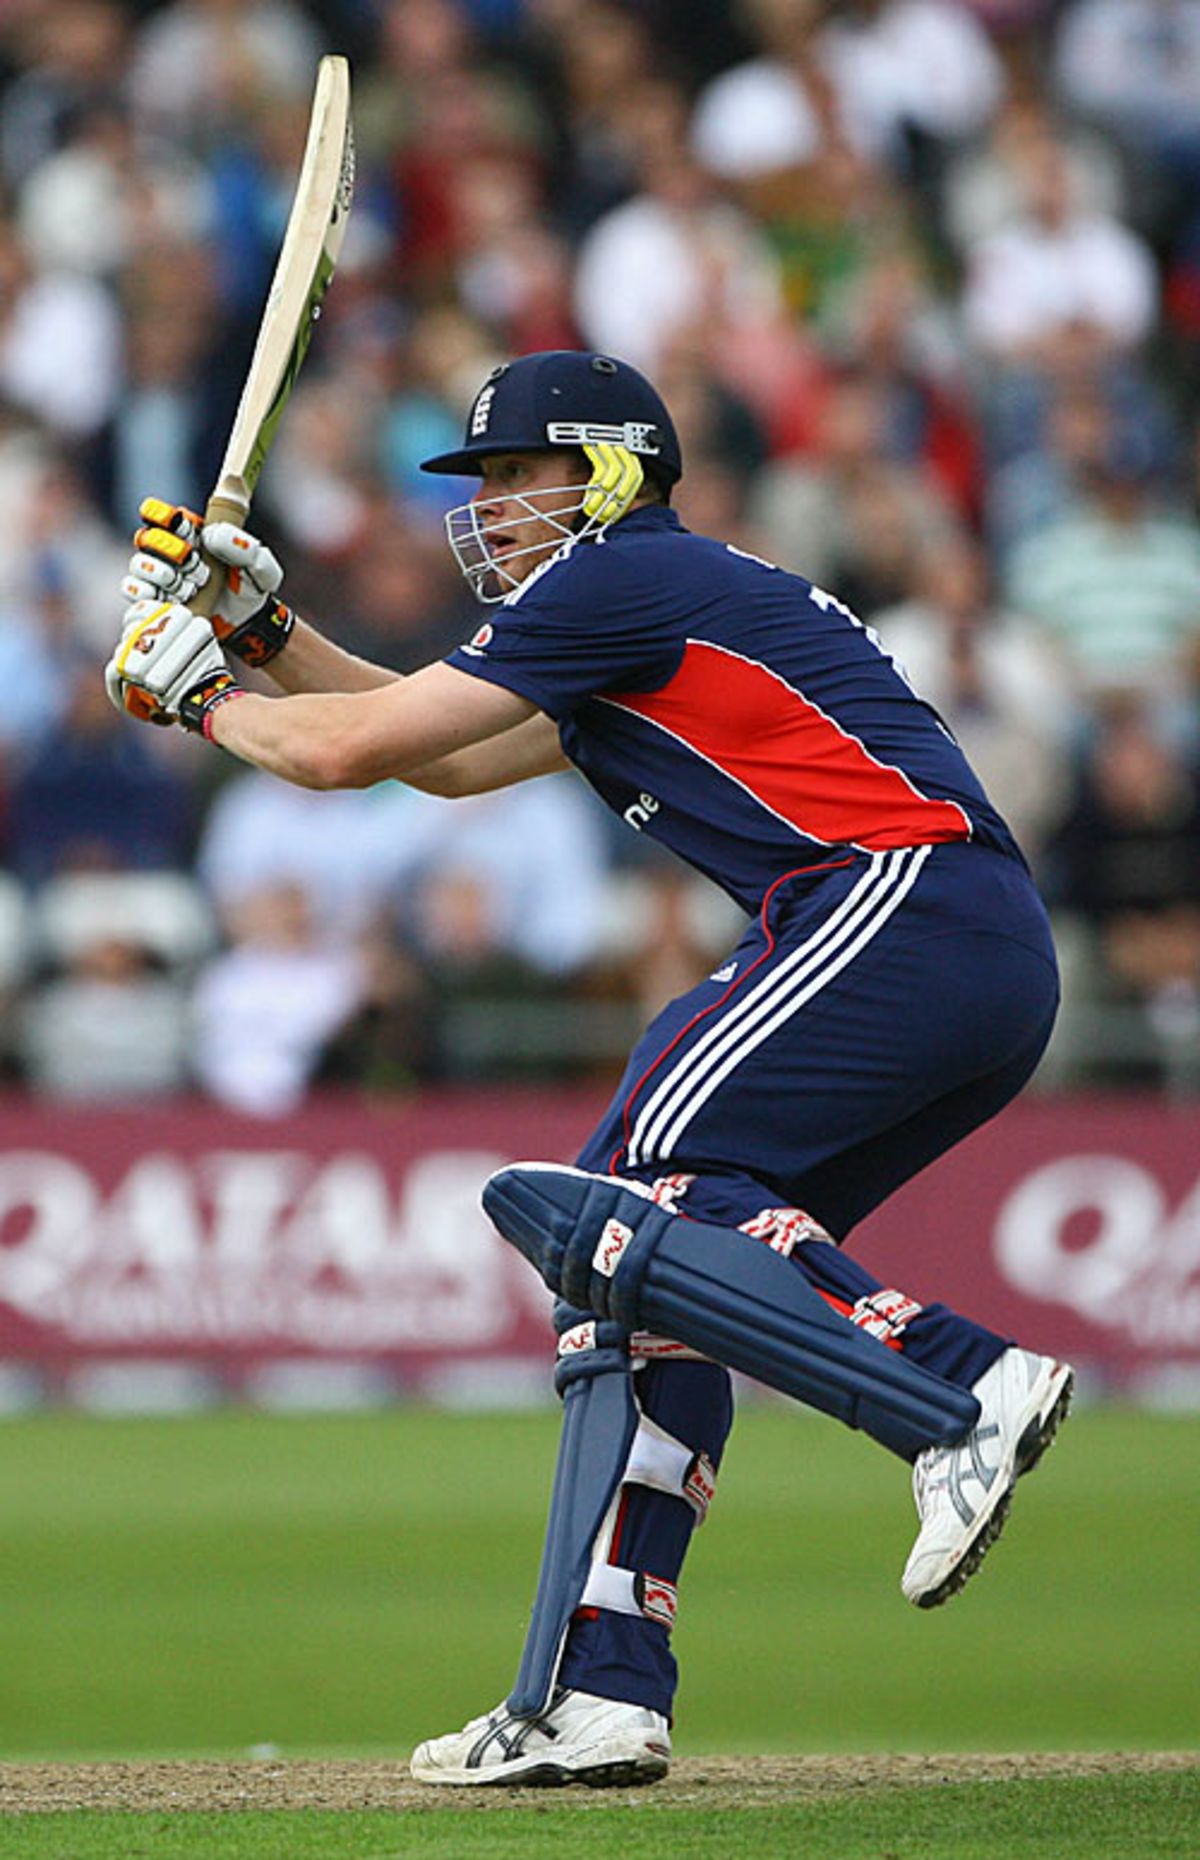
649 517
652 516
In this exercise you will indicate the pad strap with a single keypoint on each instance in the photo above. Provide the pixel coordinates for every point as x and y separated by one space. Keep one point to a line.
658 1460
631 1592
645 1348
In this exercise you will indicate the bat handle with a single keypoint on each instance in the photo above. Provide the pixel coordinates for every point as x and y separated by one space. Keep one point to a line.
219 509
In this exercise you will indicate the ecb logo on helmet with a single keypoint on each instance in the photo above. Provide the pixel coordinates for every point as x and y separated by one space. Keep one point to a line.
482 412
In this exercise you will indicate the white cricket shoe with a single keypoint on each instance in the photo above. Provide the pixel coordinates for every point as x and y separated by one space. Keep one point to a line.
963 1492
581 1738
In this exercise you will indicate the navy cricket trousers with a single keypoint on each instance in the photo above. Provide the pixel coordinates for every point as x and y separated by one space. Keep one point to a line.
876 1012
879 1009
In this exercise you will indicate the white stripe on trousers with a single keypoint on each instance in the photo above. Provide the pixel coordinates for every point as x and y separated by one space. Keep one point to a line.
691 1083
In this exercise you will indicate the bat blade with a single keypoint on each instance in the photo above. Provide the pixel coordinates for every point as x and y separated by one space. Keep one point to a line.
307 258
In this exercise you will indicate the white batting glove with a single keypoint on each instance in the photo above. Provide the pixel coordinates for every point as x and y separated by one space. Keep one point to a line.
167 566
168 667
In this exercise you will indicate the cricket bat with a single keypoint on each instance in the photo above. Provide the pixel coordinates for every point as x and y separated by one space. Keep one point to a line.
311 244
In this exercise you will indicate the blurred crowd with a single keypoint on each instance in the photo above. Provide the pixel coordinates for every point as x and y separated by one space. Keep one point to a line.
920 280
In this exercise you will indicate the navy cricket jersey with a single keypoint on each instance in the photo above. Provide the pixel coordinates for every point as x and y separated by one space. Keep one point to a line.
736 713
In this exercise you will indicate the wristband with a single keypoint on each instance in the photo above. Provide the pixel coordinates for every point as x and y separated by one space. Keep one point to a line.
257 640
210 710
197 705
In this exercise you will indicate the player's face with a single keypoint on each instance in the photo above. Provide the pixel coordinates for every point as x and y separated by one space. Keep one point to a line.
526 507
523 504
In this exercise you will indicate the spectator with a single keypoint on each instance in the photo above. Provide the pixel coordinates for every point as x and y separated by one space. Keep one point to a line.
91 799
446 351
106 1015
1057 284
31 657
595 55
69 58
912 68
1054 472
677 245
45 316
111 1026
1114 582
894 332
170 425
202 68
1133 66
536 855
1125 869
775 113
780 132
994 680
849 516
264 1008
93 207
984 186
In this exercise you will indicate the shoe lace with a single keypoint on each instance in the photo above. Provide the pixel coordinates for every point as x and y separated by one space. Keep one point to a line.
931 1474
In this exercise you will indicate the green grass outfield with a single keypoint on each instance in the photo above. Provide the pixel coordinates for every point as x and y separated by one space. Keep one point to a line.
1130 1818
337 1586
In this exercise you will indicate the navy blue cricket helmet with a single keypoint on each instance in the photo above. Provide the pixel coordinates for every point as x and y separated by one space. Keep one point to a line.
566 397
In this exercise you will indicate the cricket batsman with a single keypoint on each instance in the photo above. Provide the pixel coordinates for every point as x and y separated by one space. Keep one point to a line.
895 987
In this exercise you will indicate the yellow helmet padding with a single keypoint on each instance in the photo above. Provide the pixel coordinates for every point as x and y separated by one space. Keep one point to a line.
616 479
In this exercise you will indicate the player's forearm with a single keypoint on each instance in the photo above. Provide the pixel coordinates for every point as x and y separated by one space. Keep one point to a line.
401 731
520 754
311 663
315 740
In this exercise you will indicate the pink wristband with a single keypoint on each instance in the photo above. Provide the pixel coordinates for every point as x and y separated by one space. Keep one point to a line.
206 722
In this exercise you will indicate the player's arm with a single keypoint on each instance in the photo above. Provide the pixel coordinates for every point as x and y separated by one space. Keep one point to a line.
313 663
252 624
437 727
428 727
530 748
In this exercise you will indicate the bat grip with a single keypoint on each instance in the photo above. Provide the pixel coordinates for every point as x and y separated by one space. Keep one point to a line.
218 510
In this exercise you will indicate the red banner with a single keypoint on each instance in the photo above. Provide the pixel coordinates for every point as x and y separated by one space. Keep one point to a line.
1072 1225
351 1233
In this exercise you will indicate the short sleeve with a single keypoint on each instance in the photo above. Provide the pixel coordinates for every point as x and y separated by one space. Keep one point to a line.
588 624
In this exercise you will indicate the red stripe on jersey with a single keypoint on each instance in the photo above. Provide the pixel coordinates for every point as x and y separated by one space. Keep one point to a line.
789 755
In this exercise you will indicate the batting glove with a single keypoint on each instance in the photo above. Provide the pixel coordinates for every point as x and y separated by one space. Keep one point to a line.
169 668
167 565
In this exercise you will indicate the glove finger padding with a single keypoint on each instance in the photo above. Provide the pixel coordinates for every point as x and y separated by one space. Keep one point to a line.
247 619
166 563
149 578
256 566
164 653
158 514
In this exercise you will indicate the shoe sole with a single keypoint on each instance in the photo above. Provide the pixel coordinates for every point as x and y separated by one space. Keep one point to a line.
1038 1435
628 1772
